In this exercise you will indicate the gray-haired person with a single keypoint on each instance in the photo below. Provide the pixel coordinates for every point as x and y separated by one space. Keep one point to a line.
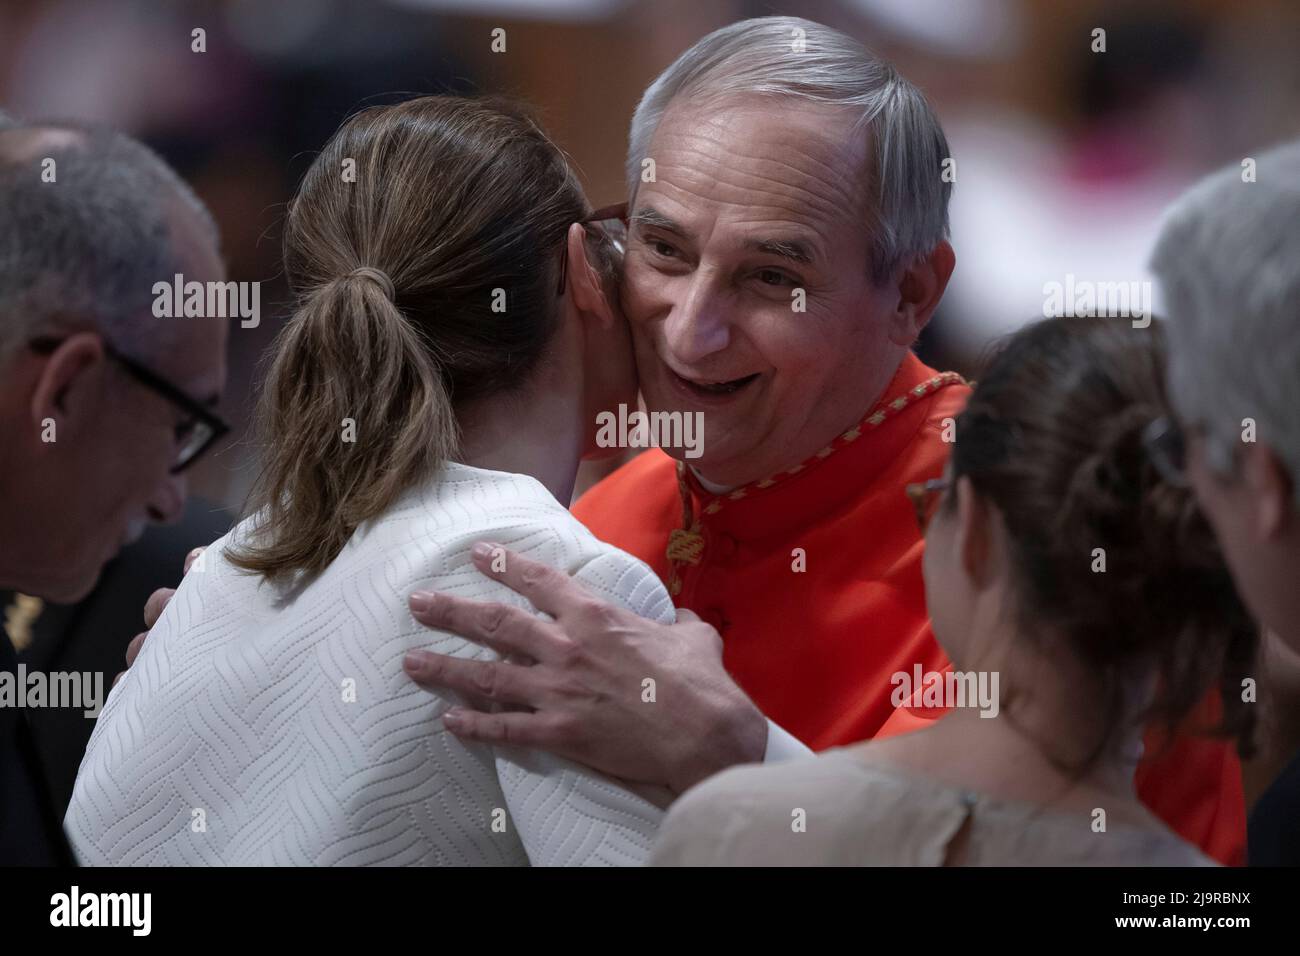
787 245
102 405
1228 260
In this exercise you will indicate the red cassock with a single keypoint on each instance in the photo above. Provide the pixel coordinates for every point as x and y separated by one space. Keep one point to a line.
813 578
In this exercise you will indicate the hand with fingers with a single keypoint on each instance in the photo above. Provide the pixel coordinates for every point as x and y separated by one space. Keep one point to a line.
153 609
573 685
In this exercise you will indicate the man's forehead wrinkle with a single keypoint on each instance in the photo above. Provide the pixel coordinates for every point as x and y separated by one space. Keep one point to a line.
772 221
760 215
835 165
786 202
799 128
815 184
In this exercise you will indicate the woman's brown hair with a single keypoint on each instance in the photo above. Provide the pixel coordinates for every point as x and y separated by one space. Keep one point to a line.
1053 437
423 248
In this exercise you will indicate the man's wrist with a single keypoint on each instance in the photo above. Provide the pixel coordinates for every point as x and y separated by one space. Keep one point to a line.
736 735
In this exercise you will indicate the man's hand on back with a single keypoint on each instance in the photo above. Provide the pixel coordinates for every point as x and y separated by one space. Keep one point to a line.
574 685
153 609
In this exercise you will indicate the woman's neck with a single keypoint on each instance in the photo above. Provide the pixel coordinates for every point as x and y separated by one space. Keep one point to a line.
1051 744
1049 723
537 432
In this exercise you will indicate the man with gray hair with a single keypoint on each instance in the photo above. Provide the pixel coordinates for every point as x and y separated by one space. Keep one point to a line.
1228 261
788 218
102 405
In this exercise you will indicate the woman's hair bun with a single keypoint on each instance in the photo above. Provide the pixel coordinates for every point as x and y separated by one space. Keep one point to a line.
1106 552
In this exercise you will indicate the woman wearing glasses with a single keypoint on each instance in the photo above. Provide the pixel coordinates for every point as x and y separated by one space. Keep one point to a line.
455 336
1061 559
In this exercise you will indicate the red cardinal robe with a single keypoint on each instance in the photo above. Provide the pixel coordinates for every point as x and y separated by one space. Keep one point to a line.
813 578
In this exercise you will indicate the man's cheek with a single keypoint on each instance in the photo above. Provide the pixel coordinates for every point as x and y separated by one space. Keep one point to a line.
781 356
646 313
647 291
635 279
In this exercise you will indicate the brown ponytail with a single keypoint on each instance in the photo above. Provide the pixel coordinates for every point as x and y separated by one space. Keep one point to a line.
337 365
455 205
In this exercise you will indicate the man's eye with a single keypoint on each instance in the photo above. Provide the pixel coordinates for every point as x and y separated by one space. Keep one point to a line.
773 277
662 248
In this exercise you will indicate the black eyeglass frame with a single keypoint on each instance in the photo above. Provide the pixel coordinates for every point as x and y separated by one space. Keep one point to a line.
617 211
216 425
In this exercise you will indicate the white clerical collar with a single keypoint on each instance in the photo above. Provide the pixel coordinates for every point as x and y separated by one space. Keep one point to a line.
709 486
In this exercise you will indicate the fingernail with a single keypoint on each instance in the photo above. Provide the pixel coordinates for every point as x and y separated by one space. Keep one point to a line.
411 662
451 719
484 549
421 601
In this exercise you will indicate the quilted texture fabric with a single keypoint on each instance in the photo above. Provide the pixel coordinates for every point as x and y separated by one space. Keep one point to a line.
265 725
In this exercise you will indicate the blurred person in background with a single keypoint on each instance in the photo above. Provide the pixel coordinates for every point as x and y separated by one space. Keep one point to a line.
1133 136
1228 261
102 405
1048 465
91 636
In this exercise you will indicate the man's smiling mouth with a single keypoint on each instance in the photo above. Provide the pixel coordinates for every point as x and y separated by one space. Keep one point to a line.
712 389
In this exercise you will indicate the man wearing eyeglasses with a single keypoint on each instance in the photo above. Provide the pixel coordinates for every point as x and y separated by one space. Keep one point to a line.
103 407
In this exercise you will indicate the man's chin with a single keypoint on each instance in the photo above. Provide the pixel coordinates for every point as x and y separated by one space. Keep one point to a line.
706 467
67 590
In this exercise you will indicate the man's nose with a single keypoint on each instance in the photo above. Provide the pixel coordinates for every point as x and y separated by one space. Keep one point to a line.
168 500
698 325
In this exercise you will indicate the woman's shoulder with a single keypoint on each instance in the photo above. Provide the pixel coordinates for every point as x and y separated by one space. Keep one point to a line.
812 811
429 532
838 808
832 777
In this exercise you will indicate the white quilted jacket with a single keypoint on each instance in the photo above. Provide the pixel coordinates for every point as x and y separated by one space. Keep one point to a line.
263 726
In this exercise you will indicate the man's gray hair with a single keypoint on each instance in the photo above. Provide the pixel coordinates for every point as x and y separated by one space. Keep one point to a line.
1228 261
790 57
83 251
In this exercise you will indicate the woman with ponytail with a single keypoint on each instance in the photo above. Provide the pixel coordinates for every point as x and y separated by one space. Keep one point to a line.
1081 597
436 387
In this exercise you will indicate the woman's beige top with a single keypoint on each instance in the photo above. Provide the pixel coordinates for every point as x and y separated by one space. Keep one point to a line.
837 810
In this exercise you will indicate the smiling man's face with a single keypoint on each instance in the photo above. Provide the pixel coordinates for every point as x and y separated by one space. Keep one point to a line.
752 200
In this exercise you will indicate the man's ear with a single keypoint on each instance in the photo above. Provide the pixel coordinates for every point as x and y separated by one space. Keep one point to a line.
585 284
63 384
1268 484
975 531
920 287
